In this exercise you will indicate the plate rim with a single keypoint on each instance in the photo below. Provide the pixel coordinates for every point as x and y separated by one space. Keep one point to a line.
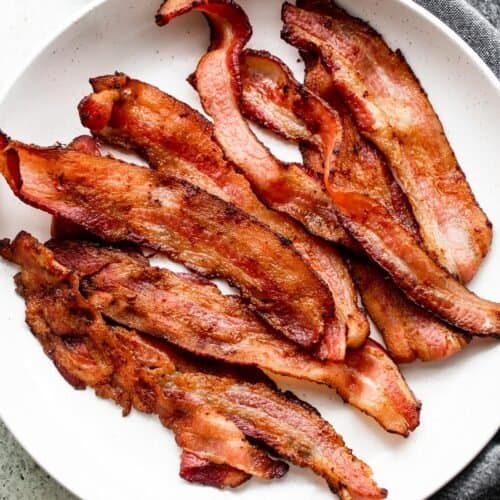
47 40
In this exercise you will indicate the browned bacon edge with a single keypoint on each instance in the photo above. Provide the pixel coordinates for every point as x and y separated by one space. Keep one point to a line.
191 313
393 247
275 100
288 189
206 405
393 111
122 202
177 140
202 471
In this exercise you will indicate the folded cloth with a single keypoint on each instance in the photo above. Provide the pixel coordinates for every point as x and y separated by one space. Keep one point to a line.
481 479
463 17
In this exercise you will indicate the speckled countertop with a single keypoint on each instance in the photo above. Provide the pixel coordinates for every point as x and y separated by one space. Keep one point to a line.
20 477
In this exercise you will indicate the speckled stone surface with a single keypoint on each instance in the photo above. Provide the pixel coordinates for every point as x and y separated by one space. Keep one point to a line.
22 479
20 476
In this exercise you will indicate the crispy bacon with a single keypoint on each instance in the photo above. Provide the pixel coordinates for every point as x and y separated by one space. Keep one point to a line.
177 140
202 471
286 188
122 202
194 399
393 111
119 364
409 331
394 248
191 313
273 98
358 162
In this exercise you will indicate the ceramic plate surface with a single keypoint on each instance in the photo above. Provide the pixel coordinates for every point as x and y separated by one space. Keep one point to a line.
81 440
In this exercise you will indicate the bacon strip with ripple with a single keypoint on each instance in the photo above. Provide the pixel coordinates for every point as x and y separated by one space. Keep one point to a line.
122 202
392 110
190 396
394 248
177 140
191 313
286 188
275 100
121 365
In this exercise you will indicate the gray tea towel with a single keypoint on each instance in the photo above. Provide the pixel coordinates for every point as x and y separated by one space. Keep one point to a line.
463 18
481 479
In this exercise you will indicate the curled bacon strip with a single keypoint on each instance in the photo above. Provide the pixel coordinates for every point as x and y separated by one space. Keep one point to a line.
272 98
177 140
394 248
194 399
393 111
192 313
286 188
122 202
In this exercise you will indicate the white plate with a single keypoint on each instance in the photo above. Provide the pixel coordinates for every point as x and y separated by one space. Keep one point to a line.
82 441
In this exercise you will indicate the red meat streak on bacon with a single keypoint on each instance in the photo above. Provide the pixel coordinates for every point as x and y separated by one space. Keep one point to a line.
202 471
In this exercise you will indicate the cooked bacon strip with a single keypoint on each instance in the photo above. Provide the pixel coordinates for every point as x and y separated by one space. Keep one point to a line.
122 202
177 140
192 313
286 188
393 111
394 248
193 398
409 332
119 364
273 98
202 471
